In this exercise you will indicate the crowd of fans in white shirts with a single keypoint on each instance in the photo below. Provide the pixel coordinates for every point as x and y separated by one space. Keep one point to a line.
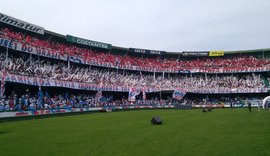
59 71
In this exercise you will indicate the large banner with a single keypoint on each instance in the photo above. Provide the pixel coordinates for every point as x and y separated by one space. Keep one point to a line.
133 91
21 24
35 81
146 51
90 43
31 49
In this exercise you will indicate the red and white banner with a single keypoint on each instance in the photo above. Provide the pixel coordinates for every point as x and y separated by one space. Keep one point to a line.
31 49
133 91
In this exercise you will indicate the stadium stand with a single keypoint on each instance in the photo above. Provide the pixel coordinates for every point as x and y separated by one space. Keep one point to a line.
117 73
240 63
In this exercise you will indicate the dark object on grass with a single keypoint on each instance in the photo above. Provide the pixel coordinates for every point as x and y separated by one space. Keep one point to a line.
156 120
204 110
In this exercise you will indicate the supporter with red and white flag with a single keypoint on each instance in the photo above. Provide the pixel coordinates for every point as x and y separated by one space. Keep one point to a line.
179 94
133 92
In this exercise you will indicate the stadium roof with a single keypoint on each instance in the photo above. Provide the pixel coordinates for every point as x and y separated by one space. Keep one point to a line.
248 51
55 34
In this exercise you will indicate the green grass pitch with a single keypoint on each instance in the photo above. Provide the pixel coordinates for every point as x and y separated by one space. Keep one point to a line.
221 132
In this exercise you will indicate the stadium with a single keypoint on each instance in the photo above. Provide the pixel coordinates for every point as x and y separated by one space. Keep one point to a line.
106 96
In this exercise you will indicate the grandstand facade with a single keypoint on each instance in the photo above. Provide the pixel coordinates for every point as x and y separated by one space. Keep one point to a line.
53 71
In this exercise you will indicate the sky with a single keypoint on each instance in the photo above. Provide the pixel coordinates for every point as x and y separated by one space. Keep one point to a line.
169 25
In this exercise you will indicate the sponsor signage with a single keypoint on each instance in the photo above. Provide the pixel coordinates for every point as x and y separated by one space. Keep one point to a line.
216 53
46 112
143 51
21 24
195 53
157 52
90 43
146 51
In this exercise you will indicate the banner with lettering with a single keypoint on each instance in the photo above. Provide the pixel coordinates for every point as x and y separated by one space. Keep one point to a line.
31 49
90 43
147 51
216 53
195 53
21 24
35 81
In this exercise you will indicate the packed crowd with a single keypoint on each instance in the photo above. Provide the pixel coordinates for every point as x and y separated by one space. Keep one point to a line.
45 101
47 69
235 63
36 102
